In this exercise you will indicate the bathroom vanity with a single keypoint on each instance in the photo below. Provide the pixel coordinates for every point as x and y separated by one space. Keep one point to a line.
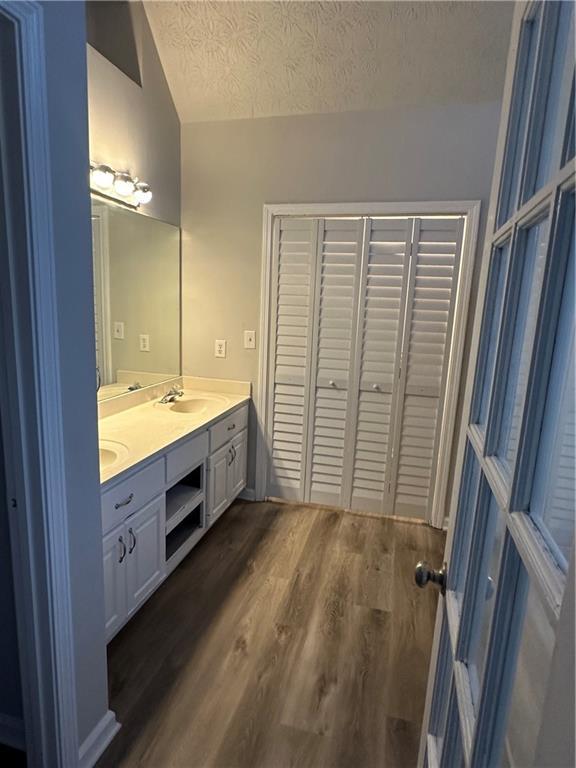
172 449
169 471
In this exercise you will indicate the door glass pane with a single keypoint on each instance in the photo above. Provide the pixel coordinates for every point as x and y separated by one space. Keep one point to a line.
464 522
553 94
442 688
553 491
491 328
452 752
519 115
569 141
530 684
489 552
527 274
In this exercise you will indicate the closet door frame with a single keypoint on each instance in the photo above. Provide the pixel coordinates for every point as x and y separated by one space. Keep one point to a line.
470 209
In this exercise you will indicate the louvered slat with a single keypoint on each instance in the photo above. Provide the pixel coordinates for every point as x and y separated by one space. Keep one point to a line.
379 338
295 257
336 290
426 349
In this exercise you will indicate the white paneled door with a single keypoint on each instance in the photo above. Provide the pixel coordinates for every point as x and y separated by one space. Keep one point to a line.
501 688
362 319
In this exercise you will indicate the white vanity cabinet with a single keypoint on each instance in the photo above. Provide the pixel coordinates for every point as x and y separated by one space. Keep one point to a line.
218 490
227 473
134 563
156 512
237 469
227 462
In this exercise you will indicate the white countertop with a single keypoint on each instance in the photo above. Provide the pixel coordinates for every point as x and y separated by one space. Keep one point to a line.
137 433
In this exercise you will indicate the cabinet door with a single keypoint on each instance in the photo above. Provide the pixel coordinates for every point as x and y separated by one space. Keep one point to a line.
145 561
114 553
218 467
237 469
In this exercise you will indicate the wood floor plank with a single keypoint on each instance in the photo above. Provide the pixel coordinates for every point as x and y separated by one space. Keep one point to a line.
291 636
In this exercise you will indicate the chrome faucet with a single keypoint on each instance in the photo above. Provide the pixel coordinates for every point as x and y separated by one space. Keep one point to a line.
170 397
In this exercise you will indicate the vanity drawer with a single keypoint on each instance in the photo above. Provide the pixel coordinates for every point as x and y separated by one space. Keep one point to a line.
184 458
131 494
228 428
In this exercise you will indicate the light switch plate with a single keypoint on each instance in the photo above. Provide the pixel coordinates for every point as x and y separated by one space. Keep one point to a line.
220 348
144 342
118 330
249 339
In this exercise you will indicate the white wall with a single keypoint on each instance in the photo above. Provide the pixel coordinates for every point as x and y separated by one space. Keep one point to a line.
230 169
136 128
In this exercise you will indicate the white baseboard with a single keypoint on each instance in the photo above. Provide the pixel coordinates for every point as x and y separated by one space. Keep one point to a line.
248 494
12 732
98 740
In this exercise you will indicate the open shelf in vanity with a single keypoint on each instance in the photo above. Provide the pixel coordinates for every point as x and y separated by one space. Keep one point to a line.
185 515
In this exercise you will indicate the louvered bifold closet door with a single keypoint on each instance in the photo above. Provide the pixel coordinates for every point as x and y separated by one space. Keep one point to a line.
382 298
338 269
434 266
293 278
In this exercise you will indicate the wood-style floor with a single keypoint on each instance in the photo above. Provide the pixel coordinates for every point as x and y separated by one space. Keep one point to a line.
291 636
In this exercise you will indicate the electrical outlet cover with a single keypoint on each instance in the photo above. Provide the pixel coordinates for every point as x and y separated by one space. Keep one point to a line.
220 348
144 342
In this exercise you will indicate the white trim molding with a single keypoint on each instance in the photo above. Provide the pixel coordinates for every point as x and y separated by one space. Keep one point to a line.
100 737
32 429
470 210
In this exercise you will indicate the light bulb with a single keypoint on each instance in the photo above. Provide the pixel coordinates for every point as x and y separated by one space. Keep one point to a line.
143 193
102 176
124 184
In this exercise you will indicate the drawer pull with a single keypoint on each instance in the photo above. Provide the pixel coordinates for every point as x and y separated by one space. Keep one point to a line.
231 427
124 503
123 550
133 544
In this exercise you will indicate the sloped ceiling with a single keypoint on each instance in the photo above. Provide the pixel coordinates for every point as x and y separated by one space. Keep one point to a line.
227 60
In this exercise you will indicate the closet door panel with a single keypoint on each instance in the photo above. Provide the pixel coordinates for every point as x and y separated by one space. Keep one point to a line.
338 267
293 271
379 339
426 350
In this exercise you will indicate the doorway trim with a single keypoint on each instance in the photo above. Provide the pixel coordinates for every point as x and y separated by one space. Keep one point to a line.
470 209
31 414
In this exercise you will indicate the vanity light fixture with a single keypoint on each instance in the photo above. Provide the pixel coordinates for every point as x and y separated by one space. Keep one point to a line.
119 186
124 184
102 176
143 193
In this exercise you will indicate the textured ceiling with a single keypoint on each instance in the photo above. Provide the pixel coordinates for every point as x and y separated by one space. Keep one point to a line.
226 60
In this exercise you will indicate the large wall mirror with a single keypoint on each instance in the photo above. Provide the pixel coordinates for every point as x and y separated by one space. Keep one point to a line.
136 299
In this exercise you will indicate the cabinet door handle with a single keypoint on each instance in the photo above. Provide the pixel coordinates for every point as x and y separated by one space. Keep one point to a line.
233 452
123 550
231 427
133 544
125 502
231 457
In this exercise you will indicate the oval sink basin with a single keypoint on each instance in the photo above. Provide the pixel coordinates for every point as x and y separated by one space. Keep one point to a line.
193 405
110 453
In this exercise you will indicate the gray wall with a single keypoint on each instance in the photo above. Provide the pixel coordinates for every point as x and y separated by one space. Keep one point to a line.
136 128
230 169
68 153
